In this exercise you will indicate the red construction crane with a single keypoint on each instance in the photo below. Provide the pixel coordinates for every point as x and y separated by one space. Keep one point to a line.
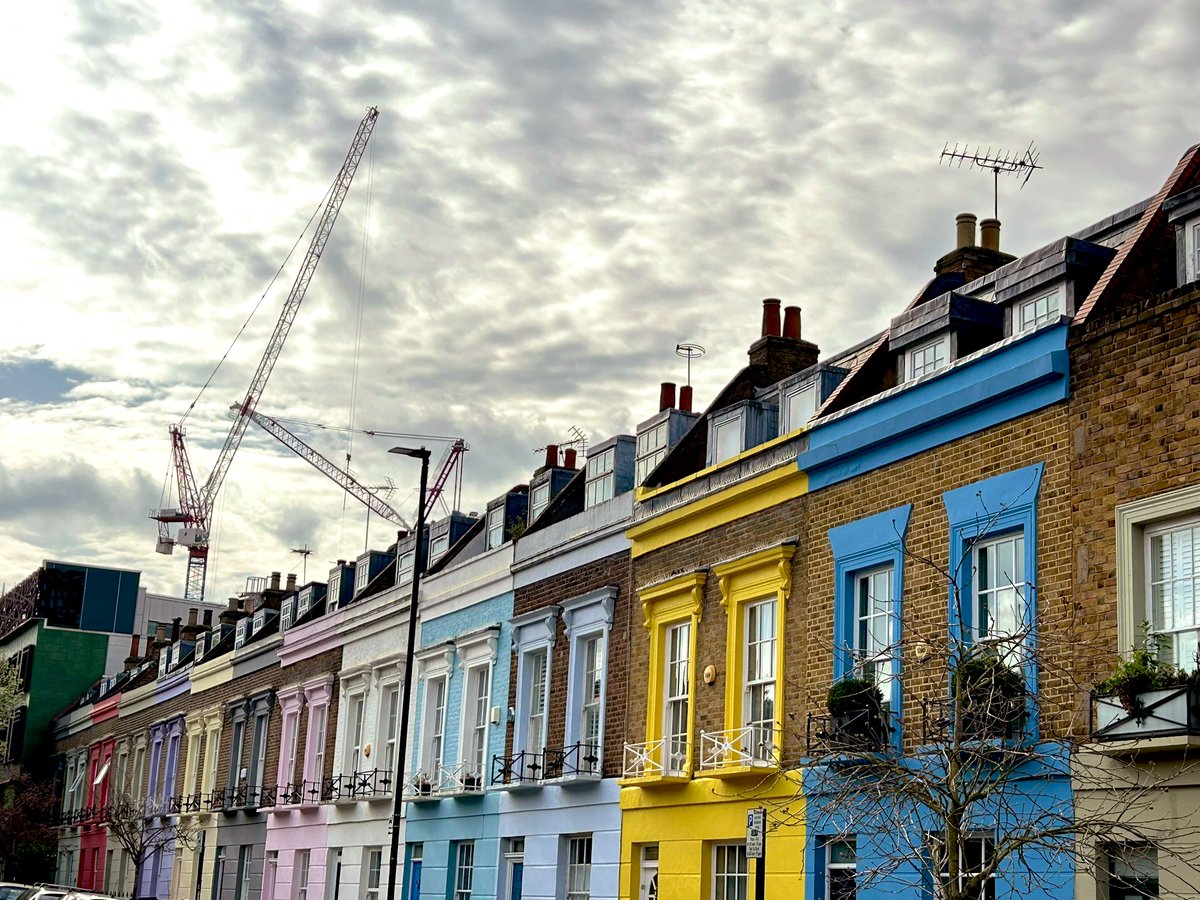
194 514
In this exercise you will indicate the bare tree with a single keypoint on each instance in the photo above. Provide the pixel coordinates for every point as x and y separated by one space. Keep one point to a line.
141 832
988 779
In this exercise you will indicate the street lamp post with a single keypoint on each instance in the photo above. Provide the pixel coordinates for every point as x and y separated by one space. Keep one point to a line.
405 700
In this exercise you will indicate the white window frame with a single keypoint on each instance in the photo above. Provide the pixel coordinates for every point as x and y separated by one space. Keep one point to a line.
362 573
356 714
291 744
373 869
439 545
539 499
651 448
495 526
408 561
989 892
335 589
586 618
579 867
677 639
317 695
476 708
1168 634
735 425
1041 309
270 874
840 867
241 890
536 699
730 883
759 689
1132 521
191 769
218 881
257 765
212 742
788 399
600 483
874 655
301 864
1007 634
433 734
464 870
389 724
925 356
1134 878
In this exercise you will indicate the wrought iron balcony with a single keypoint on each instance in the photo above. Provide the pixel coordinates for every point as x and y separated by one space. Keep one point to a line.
999 720
662 758
364 785
578 760
461 779
861 731
524 768
291 794
752 747
421 785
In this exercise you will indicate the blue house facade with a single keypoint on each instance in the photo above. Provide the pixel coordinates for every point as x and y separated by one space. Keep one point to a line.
452 828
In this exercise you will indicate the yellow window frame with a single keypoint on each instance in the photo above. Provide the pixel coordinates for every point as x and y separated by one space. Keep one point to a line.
764 575
664 605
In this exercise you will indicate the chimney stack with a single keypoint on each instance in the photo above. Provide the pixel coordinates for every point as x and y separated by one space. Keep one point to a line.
175 625
193 613
133 660
291 581
569 458
770 319
777 356
666 395
248 603
965 230
551 455
685 398
274 581
231 613
989 234
791 322
969 259
207 619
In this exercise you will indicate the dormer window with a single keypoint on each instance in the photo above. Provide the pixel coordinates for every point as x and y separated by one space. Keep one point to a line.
439 545
407 561
799 404
927 358
1036 311
361 575
495 527
601 477
727 438
651 448
1192 251
539 499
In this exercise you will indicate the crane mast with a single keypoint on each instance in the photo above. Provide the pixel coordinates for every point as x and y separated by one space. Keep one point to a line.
196 504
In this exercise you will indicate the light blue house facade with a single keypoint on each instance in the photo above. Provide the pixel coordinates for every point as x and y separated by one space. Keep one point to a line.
462 664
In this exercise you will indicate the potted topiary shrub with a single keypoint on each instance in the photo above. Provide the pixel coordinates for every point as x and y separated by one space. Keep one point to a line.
856 706
990 696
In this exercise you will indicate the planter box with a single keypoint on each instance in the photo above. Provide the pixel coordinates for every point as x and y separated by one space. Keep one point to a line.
1169 712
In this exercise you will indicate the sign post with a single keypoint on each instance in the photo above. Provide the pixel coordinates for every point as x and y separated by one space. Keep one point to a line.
756 848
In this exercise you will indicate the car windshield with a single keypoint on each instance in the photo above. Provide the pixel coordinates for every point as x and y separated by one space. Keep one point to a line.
12 891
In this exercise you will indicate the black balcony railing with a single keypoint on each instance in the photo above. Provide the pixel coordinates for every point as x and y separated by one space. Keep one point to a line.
861 731
572 761
520 768
999 719
291 794
364 785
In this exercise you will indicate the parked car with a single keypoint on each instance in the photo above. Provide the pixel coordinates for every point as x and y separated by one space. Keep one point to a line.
10 890
46 892
84 895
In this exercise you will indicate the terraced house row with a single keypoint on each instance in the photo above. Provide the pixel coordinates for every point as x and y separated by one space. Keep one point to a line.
883 595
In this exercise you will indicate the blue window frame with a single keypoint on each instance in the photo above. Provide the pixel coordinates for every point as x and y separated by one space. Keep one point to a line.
993 559
868 559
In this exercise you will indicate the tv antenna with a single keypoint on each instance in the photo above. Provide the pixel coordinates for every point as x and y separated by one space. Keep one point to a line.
306 553
999 162
689 352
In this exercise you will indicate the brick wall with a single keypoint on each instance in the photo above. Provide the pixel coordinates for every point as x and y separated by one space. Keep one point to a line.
921 481
1135 433
611 570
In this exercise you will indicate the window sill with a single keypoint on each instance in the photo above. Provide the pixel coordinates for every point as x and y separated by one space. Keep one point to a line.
656 780
734 770
1171 745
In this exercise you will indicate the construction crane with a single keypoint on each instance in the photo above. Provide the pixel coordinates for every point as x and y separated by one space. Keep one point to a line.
341 477
194 515
351 485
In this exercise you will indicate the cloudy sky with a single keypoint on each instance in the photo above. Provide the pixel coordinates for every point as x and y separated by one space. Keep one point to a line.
556 193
